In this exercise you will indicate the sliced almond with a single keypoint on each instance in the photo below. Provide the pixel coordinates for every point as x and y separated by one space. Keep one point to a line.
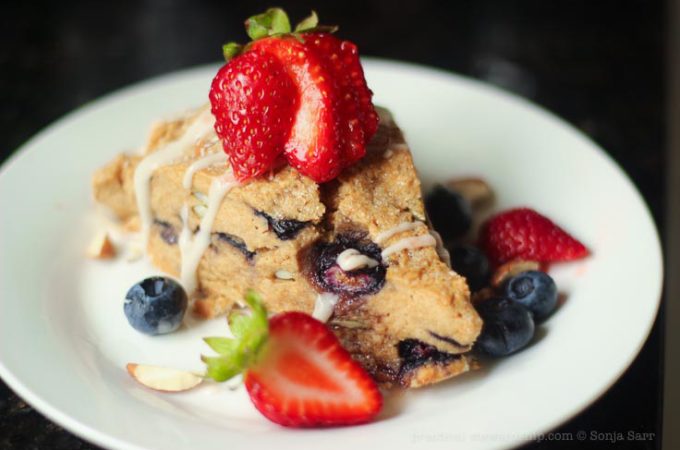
283 274
132 225
163 378
512 268
101 247
475 190
324 305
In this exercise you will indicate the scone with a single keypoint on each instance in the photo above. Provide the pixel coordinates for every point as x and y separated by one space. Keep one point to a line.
357 249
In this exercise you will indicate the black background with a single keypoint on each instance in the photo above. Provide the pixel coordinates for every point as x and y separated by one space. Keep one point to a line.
598 64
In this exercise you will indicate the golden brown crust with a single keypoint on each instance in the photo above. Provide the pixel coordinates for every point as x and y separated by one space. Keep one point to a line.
433 373
112 186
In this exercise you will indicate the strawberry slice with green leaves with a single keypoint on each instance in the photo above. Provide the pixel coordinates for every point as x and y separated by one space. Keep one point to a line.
295 370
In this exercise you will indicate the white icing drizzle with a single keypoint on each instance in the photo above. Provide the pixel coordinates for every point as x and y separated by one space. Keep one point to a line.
443 253
352 259
324 305
206 161
208 145
412 242
164 156
192 248
404 226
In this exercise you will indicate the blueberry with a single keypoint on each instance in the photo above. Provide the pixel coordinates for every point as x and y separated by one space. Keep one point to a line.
328 275
167 232
470 262
414 353
238 243
535 290
508 327
155 305
449 212
285 229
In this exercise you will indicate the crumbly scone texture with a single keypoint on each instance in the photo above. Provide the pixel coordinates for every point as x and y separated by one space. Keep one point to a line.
422 298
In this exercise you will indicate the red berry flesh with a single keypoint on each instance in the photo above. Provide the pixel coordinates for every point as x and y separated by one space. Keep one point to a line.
254 101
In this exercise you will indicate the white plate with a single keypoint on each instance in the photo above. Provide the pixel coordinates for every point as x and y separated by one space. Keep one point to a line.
64 339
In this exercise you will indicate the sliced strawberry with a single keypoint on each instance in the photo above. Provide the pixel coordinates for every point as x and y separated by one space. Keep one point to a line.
522 233
295 370
253 100
344 57
331 115
357 118
313 146
306 378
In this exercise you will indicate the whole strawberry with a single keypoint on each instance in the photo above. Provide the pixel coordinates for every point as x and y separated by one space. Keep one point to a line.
522 233
295 370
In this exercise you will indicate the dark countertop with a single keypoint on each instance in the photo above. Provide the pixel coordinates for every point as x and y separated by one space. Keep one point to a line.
599 65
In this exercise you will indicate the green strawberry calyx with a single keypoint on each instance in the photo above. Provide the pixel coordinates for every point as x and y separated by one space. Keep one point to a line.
234 355
275 22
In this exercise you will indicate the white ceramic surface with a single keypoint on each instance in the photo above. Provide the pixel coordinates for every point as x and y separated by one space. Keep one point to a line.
64 340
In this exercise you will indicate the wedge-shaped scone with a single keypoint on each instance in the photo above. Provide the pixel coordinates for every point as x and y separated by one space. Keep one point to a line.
361 239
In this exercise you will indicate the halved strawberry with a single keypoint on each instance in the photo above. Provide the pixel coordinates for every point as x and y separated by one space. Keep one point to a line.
295 370
357 119
314 145
307 379
254 101
332 117
522 233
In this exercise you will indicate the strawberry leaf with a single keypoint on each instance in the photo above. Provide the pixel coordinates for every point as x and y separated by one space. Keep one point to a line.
250 330
250 334
221 368
312 21
272 21
280 23
255 30
239 323
231 50
323 29
223 346
275 22
259 311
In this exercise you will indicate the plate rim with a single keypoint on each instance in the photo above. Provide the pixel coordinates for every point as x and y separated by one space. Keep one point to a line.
94 435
